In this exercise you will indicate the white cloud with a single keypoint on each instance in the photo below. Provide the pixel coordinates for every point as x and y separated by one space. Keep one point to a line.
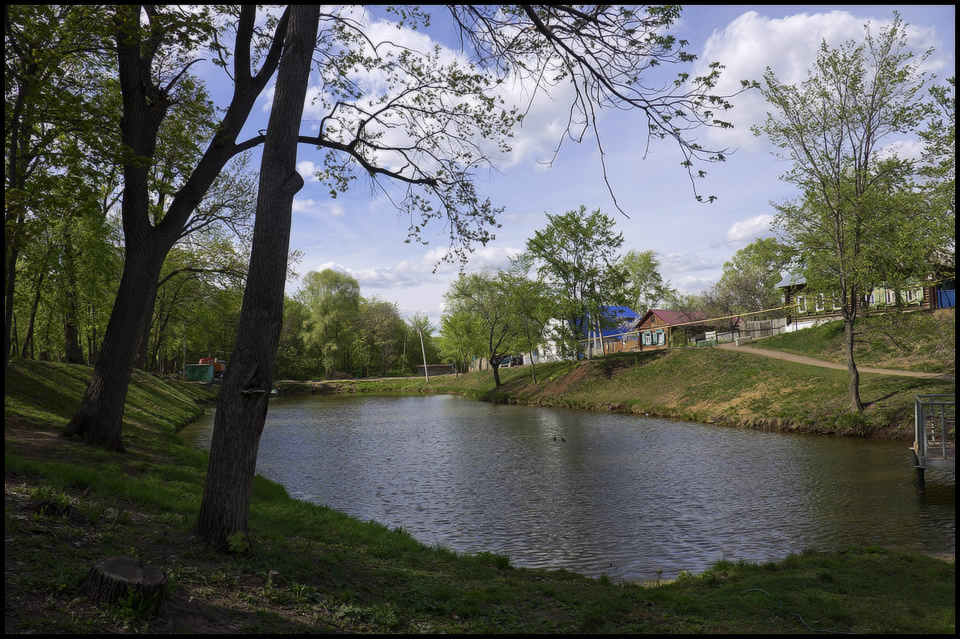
693 284
674 263
428 269
746 231
317 209
308 170
679 266
789 47
903 149
402 275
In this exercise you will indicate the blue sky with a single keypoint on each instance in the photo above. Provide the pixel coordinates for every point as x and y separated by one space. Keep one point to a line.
361 233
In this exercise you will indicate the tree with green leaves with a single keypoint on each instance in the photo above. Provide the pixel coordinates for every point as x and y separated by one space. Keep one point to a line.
749 280
381 332
333 301
577 255
294 361
830 128
57 104
644 288
487 299
532 305
460 338
152 46
940 155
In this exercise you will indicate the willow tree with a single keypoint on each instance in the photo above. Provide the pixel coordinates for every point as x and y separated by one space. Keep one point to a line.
832 127
333 300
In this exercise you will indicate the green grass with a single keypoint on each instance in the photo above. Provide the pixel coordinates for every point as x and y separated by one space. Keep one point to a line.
338 574
705 385
918 341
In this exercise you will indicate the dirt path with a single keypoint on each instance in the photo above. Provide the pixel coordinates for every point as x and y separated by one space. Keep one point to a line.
801 359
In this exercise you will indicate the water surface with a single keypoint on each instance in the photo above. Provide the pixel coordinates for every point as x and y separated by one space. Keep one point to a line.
621 496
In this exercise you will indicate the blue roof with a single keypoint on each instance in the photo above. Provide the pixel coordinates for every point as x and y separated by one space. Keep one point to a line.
620 312
624 315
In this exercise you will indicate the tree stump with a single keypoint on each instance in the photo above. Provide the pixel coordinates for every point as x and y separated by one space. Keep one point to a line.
113 578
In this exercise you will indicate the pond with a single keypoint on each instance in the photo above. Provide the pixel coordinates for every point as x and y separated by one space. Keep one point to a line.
593 492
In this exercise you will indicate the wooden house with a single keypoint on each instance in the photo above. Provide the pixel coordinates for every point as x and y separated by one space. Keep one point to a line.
662 328
807 307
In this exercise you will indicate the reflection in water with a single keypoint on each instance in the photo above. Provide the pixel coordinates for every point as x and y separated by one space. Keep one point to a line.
621 496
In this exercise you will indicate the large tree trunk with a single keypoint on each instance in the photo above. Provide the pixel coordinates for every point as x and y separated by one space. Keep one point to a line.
100 416
242 402
496 371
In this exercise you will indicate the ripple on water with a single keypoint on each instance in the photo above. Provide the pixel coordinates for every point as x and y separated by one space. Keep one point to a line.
621 496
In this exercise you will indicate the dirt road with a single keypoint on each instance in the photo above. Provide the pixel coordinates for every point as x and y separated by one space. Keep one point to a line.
801 359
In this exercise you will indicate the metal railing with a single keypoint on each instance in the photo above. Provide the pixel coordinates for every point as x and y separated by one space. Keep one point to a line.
935 418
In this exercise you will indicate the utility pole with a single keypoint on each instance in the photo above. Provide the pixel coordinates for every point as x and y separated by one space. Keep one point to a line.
424 350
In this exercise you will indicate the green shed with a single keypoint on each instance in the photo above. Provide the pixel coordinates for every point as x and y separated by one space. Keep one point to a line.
200 372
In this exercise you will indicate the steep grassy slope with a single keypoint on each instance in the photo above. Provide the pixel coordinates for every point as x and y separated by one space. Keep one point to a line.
918 341
706 385
337 574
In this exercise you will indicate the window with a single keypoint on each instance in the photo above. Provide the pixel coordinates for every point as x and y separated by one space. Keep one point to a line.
660 337
646 338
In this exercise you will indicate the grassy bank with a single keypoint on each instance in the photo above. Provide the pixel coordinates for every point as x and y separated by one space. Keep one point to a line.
919 341
704 385
337 574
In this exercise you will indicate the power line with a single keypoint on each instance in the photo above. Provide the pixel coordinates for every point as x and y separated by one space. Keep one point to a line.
745 230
